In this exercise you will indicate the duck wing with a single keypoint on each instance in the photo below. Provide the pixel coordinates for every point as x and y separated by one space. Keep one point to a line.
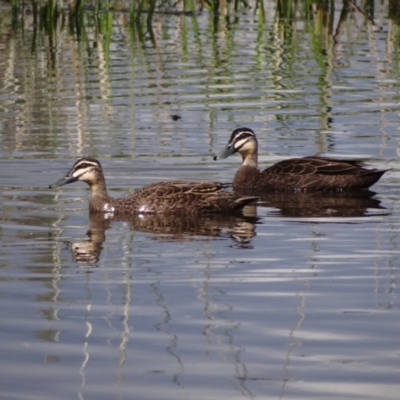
175 188
186 196
317 166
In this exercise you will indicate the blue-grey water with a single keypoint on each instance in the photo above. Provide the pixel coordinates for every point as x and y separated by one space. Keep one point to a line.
296 299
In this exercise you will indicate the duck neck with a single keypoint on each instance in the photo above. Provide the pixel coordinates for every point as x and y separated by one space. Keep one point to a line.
100 200
250 160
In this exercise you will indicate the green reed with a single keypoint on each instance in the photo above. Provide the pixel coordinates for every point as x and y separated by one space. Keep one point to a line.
97 16
83 16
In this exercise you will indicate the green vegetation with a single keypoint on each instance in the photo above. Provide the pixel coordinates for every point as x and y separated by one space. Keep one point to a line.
82 16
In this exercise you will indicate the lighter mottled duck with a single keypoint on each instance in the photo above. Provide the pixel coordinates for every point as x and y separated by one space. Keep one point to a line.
306 173
161 197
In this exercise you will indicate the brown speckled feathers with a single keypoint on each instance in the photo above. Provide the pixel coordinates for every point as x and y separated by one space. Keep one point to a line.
161 197
307 173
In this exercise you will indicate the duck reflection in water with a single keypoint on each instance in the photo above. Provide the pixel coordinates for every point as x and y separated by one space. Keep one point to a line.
346 204
163 227
240 228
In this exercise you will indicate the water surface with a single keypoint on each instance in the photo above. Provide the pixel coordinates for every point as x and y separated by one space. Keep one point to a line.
297 298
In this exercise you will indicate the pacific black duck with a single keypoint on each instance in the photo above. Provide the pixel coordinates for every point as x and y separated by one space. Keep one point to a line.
309 173
161 197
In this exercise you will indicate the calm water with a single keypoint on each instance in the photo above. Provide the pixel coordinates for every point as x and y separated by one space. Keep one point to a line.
296 299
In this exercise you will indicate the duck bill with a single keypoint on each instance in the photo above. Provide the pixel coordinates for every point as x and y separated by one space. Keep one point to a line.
62 181
226 152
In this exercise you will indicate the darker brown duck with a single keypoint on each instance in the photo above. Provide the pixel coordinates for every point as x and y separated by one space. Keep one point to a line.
160 197
306 173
